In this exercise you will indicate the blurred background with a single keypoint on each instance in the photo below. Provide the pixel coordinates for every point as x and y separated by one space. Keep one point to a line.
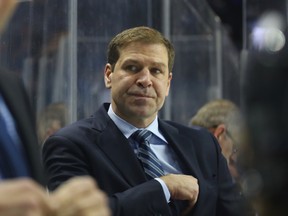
59 48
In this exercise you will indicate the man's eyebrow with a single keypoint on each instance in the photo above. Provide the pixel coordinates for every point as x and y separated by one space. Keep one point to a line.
159 64
131 60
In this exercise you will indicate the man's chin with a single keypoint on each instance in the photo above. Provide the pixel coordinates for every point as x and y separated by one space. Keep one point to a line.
142 111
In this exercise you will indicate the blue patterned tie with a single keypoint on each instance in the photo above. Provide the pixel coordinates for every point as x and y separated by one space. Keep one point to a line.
151 163
12 162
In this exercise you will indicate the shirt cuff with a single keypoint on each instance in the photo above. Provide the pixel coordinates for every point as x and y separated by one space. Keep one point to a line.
165 189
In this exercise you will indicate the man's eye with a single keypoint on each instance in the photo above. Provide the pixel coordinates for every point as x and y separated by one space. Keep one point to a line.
156 71
132 68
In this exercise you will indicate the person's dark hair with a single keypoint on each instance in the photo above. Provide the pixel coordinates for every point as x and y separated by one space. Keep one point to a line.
141 34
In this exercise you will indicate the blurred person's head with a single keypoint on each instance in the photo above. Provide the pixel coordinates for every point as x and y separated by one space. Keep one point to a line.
222 118
51 119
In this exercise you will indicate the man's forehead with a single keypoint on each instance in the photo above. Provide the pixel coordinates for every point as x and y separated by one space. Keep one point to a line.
135 49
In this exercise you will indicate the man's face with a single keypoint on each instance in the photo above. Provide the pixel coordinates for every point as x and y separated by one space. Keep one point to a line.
139 83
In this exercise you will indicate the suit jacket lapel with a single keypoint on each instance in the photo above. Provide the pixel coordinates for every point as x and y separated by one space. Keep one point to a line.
182 147
117 148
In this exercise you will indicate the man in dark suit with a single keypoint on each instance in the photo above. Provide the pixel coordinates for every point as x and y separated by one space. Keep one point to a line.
187 175
21 173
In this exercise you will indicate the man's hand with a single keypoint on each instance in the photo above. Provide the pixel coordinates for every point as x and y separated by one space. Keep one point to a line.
23 197
182 187
80 196
77 197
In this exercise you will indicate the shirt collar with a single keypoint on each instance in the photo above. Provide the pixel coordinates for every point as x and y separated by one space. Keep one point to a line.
128 129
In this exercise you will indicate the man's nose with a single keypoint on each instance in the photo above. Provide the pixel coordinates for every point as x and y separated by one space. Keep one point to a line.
144 78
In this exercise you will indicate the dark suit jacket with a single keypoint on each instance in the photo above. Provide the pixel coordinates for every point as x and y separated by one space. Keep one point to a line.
96 147
17 101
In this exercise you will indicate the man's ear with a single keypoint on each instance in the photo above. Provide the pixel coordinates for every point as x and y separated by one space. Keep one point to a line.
108 75
219 131
169 83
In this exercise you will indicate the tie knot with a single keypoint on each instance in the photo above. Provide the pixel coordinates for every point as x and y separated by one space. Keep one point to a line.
142 136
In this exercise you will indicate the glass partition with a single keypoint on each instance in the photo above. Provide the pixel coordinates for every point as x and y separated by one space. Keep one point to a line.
206 65
59 48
